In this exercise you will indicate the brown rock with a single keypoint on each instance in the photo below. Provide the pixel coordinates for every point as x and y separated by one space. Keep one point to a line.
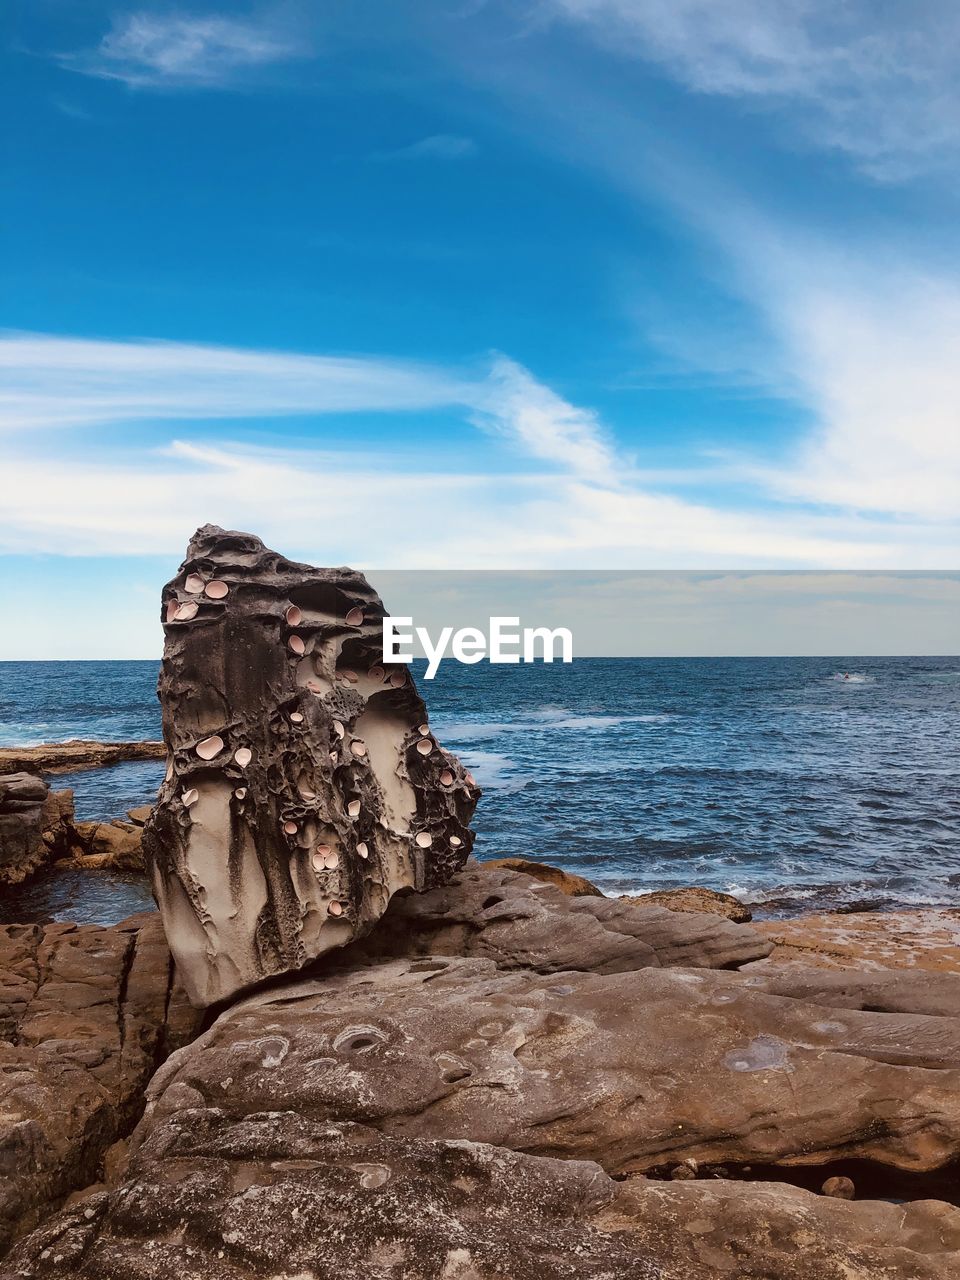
114 845
278 1195
34 825
140 814
882 990
708 901
839 1188
572 885
68 757
83 1018
928 940
638 1071
304 785
492 913
720 1230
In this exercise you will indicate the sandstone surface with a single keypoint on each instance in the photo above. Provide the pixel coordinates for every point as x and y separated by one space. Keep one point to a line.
86 1014
35 825
638 1071
566 881
491 912
77 754
927 940
696 899
115 845
281 1195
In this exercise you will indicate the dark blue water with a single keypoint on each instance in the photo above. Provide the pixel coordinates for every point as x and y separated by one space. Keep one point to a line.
769 778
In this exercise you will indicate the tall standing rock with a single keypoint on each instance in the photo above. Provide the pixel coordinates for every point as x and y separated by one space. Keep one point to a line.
304 787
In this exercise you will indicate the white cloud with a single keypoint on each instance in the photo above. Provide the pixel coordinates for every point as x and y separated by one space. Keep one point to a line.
880 83
544 425
851 322
55 381
165 50
573 500
438 146
880 363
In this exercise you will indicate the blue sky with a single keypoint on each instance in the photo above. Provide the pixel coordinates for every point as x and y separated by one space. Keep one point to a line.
554 284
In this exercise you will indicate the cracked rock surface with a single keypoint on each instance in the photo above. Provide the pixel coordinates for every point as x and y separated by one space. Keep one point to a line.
86 1013
304 787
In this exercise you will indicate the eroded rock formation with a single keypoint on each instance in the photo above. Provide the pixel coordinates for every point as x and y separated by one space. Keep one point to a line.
86 1014
567 882
35 823
490 912
114 845
304 787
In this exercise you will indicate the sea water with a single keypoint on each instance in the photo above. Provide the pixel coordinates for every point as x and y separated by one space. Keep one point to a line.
777 779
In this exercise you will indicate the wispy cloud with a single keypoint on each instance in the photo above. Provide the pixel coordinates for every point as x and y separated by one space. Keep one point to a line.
571 498
880 83
71 110
55 381
155 50
849 320
879 360
438 146
544 425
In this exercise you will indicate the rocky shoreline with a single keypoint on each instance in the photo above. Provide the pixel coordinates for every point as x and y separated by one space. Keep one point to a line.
499 1079
38 828
77 754
343 1048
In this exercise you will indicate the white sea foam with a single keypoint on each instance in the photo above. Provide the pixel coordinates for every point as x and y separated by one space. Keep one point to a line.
546 720
493 771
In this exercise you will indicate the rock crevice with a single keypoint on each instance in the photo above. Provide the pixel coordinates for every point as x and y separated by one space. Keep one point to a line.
86 1016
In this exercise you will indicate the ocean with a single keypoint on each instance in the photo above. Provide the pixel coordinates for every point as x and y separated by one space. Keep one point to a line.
775 779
